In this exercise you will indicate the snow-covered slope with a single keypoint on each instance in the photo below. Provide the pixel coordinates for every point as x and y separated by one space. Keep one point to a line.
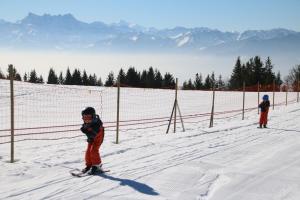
234 160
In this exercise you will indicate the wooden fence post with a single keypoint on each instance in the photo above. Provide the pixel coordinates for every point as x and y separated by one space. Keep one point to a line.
211 124
118 110
12 114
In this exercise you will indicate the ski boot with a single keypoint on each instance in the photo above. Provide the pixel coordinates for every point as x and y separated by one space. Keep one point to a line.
96 169
86 169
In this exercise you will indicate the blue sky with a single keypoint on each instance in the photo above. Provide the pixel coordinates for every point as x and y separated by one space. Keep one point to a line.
226 15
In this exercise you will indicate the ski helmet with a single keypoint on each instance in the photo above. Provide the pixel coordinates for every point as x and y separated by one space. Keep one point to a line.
89 111
266 97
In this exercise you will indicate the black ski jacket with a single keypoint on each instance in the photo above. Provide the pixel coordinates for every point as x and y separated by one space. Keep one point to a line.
264 106
92 129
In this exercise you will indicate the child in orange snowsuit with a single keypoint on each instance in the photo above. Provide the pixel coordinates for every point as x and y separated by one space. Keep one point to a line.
93 129
264 108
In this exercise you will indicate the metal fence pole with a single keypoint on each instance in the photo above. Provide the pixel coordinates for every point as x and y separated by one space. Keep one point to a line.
258 90
118 110
212 109
244 100
298 91
171 118
286 95
175 108
273 94
12 113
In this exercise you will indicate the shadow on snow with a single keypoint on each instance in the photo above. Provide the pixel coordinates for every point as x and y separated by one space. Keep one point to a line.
140 187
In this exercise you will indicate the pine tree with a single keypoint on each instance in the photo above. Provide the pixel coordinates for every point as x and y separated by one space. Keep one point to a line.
11 70
269 75
150 78
185 86
25 77
207 83
220 83
33 77
278 80
68 79
143 82
213 81
76 77
122 77
258 71
158 80
85 79
132 77
198 82
99 82
236 79
110 80
18 77
52 77
168 81
61 79
190 85
92 80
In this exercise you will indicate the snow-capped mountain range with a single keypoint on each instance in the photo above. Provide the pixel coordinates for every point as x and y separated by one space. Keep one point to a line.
65 32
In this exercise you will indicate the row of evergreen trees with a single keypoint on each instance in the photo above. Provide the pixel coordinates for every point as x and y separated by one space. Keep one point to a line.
252 72
147 79
30 77
151 78
74 78
209 82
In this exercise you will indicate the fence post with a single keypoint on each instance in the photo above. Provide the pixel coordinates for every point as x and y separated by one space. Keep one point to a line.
243 100
12 114
258 90
118 110
273 94
286 94
298 91
175 108
212 109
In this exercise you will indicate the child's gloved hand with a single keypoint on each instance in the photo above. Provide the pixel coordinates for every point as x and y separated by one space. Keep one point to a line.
90 140
84 129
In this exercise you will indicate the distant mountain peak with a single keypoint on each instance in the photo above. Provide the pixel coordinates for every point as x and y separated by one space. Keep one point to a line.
32 18
265 34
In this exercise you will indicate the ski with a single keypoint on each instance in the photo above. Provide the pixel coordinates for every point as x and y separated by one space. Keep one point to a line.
79 173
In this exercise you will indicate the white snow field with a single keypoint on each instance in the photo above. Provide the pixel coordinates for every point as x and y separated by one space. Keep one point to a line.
234 160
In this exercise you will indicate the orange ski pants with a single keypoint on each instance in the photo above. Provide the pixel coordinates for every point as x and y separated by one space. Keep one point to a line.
92 155
263 118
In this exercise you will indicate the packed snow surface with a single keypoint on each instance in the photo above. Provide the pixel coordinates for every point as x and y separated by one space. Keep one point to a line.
234 160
